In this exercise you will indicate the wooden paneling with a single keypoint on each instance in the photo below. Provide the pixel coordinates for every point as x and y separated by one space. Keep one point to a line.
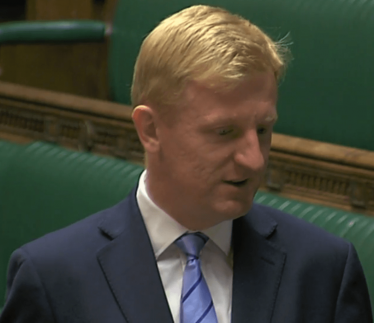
79 69
307 170
72 68
79 123
57 9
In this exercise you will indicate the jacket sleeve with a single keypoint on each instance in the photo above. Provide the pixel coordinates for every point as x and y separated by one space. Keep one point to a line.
26 299
353 301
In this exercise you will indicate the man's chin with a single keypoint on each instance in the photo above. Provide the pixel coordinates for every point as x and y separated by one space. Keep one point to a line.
234 209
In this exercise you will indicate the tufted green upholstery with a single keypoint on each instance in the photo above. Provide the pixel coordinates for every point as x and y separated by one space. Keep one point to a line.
7 151
45 187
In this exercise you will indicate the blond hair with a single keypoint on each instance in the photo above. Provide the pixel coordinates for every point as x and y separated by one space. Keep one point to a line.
203 44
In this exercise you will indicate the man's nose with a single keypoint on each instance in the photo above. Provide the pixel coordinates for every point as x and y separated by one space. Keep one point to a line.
249 153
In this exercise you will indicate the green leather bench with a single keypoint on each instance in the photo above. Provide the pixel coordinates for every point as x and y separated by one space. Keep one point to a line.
45 187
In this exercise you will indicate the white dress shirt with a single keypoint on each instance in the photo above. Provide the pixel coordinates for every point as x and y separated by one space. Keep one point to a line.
216 266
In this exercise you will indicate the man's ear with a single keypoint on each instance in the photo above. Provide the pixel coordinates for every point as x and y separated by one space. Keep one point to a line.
144 120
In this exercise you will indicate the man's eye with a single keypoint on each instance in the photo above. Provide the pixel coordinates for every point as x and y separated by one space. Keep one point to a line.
261 130
224 132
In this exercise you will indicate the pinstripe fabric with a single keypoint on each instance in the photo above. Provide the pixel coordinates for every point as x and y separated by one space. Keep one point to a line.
196 301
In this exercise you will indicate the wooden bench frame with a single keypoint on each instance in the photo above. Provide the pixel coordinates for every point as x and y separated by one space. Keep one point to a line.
299 168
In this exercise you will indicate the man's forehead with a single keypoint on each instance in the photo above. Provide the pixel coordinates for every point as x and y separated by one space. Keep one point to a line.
203 95
255 85
193 90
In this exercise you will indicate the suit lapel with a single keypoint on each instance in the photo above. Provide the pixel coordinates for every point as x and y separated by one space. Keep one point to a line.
258 266
130 267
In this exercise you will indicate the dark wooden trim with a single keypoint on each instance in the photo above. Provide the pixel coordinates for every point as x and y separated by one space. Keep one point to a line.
323 181
324 151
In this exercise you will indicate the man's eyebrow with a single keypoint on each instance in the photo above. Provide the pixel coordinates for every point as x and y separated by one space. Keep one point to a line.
217 120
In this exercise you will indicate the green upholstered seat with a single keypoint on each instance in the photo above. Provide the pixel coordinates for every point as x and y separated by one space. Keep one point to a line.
7 150
46 187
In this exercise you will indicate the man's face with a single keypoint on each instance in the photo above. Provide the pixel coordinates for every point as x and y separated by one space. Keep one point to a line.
214 155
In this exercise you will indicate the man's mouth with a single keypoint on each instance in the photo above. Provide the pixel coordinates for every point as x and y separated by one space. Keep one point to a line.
238 183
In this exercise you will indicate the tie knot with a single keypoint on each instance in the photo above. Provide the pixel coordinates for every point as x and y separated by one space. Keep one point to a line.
191 244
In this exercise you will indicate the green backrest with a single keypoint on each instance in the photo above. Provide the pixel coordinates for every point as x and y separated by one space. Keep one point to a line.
358 229
327 94
47 187
7 151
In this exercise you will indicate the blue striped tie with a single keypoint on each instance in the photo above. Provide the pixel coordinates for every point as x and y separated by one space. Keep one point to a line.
196 301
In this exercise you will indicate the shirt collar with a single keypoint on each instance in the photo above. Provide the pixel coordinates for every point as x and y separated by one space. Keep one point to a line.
163 230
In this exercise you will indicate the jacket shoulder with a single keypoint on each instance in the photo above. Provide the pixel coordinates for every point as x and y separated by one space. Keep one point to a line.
293 232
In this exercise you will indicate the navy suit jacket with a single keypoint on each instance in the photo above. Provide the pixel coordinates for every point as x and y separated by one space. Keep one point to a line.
102 269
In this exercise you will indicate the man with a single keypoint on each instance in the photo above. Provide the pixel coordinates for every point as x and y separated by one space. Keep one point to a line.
188 245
